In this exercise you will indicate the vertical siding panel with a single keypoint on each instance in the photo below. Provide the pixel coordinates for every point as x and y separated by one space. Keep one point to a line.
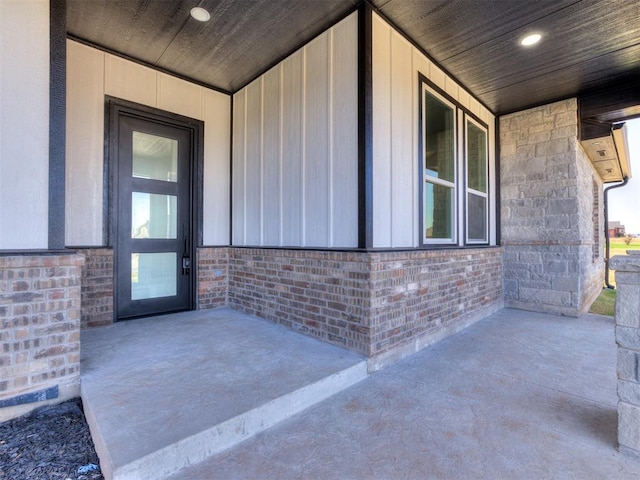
85 145
484 115
420 63
474 106
215 208
330 123
253 172
176 95
403 163
463 98
345 134
316 143
381 133
238 176
292 101
130 81
396 135
437 76
271 158
451 88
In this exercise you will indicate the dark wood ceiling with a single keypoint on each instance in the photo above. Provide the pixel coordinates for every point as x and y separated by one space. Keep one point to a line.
587 44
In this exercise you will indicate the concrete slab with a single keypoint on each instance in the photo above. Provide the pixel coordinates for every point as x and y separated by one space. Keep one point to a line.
519 395
165 392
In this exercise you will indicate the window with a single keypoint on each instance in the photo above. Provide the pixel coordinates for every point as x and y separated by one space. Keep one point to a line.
477 192
439 170
454 173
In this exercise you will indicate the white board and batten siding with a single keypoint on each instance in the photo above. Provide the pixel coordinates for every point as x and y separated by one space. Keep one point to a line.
92 74
396 99
295 152
24 125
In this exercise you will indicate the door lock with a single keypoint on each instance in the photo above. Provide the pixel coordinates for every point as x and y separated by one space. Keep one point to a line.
186 265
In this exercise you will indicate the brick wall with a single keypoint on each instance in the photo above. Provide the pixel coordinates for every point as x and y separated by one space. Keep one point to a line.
213 266
97 287
422 296
40 319
319 293
97 283
383 305
547 218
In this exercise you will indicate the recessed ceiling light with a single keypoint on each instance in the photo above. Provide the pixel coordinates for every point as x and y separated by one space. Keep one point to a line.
200 14
530 40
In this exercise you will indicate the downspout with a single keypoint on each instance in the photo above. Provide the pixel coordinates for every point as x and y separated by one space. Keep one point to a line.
606 230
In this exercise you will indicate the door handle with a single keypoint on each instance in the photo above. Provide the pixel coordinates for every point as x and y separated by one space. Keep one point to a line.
186 259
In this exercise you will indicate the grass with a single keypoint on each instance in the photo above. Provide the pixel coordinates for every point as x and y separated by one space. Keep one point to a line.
618 247
617 244
605 304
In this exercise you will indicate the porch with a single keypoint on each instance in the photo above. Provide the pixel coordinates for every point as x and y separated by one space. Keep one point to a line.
517 395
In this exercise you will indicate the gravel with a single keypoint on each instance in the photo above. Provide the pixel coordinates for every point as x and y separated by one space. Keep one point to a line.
52 442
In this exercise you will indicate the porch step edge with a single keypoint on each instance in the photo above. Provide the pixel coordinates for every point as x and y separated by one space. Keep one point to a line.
191 450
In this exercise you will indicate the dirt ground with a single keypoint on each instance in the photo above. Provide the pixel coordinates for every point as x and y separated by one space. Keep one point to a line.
52 442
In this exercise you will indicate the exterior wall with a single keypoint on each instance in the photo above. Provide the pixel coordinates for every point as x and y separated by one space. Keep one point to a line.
97 283
547 212
627 319
24 124
420 297
213 274
383 305
591 208
97 287
319 293
92 74
295 154
40 335
396 100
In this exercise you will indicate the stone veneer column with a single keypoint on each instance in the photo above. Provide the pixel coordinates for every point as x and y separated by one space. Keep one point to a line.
550 217
628 339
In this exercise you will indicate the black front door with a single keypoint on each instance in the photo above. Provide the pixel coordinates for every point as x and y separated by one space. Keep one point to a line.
153 213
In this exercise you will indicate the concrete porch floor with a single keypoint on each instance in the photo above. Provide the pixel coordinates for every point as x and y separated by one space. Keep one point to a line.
517 395
163 392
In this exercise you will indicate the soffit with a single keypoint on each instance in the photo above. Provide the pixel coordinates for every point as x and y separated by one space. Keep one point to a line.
241 40
586 44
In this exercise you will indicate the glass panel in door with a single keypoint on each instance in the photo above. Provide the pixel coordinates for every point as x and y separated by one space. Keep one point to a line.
153 275
154 157
153 215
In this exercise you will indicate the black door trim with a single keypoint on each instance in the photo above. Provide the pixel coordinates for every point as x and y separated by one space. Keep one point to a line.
114 107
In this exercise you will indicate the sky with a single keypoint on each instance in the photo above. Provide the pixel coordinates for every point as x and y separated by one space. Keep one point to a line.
624 202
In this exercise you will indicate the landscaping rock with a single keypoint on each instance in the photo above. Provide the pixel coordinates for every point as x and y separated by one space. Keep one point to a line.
52 442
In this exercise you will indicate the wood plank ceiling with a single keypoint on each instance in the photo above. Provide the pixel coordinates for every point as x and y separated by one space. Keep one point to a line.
586 45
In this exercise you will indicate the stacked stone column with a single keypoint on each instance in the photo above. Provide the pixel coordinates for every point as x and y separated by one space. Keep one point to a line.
548 212
627 318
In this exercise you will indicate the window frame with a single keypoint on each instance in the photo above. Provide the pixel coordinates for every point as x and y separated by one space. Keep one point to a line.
462 115
468 190
424 177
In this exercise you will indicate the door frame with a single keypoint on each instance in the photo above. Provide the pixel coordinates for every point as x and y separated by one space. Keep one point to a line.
114 107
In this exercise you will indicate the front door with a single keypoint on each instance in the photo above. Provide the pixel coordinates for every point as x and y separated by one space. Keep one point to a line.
153 212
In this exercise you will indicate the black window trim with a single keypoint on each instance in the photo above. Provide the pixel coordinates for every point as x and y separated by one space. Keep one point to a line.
461 241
